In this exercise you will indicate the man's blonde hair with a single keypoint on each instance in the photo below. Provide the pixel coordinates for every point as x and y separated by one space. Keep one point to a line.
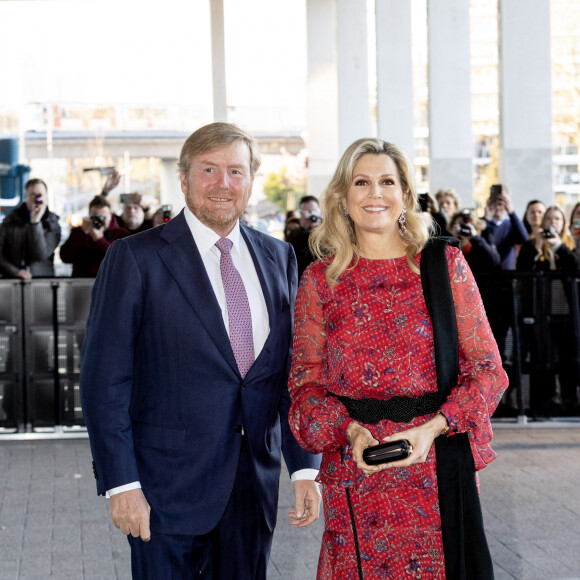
215 136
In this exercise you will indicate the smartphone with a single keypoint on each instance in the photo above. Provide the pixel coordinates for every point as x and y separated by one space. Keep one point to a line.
127 198
422 197
495 191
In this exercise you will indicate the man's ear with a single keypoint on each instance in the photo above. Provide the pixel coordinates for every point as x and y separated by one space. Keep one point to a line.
183 181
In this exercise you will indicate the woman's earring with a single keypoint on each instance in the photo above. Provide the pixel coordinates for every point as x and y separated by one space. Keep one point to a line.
345 211
402 220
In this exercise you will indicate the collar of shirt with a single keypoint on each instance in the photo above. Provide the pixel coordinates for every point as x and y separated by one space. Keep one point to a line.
205 238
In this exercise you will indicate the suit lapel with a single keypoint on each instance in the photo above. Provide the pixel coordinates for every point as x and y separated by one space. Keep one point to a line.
183 260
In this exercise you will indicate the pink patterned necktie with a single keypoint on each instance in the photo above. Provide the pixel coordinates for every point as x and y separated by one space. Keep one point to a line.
239 315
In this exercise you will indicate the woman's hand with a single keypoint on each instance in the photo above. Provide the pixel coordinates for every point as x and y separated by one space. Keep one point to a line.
555 242
421 439
360 438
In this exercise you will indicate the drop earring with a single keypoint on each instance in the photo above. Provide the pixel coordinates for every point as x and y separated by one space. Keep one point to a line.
402 220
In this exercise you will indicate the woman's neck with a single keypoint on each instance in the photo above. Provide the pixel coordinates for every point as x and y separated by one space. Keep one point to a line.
381 246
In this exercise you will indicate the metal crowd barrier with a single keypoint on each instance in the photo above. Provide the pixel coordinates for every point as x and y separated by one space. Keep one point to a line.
534 316
42 325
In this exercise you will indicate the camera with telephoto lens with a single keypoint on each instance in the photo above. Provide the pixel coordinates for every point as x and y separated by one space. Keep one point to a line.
549 233
314 217
38 199
98 221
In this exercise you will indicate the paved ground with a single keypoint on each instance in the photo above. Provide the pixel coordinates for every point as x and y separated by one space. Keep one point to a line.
52 525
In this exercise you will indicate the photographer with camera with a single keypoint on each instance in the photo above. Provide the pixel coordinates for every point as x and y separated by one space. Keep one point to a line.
552 247
29 235
433 214
87 244
480 254
310 217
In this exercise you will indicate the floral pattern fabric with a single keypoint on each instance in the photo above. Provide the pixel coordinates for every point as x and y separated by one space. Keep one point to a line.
371 336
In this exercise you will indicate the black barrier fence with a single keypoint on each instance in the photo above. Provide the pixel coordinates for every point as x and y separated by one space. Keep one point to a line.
42 325
534 316
536 322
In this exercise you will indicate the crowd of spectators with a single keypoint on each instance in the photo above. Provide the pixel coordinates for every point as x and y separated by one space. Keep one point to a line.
30 234
497 241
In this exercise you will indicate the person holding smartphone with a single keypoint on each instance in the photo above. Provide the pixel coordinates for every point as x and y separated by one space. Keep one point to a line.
504 227
29 236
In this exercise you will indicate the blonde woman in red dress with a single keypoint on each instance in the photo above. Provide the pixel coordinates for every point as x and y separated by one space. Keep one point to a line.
363 331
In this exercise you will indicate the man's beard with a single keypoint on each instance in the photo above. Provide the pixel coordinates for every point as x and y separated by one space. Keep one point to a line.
212 220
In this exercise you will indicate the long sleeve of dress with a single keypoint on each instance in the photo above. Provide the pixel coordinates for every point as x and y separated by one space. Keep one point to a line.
318 420
482 380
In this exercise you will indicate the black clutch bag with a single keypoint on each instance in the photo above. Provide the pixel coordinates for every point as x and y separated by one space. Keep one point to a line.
387 452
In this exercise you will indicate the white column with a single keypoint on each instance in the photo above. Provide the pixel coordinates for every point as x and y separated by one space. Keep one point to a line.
525 100
218 60
354 115
450 135
322 96
395 118
338 97
170 186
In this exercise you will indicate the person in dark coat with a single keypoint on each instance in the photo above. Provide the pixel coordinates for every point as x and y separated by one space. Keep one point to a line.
29 235
481 254
504 225
133 216
310 217
551 249
87 244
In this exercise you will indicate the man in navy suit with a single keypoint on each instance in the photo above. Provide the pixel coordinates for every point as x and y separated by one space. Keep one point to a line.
186 445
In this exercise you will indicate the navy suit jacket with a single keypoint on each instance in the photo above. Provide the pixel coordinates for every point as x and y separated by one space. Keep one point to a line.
162 396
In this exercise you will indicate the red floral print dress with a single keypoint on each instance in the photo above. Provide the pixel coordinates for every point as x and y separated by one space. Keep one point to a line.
371 336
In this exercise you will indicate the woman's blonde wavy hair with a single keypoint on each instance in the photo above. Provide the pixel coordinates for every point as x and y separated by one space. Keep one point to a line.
336 235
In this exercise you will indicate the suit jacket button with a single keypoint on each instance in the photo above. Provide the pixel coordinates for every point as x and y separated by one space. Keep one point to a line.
238 428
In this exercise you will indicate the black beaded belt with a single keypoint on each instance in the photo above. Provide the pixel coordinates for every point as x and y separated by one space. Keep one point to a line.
396 409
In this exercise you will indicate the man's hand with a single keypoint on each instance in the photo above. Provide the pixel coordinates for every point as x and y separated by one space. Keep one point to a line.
36 212
307 503
89 229
130 513
112 181
504 198
24 274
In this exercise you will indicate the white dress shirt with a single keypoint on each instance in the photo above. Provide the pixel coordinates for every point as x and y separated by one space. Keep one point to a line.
205 239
